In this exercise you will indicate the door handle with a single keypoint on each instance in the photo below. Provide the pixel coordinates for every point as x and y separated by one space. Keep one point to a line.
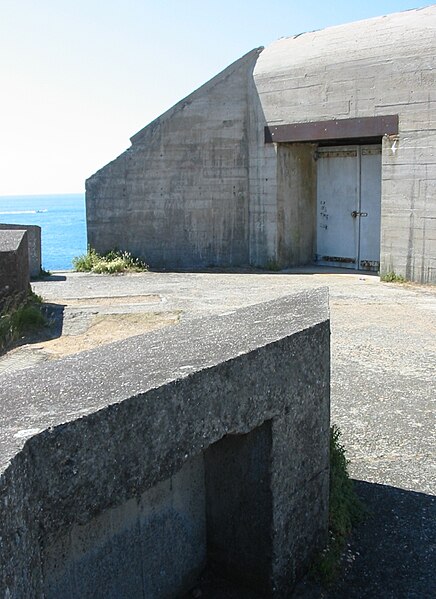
356 213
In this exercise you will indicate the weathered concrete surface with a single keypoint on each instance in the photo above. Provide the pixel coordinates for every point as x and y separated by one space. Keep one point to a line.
179 195
14 264
163 531
96 430
34 245
296 204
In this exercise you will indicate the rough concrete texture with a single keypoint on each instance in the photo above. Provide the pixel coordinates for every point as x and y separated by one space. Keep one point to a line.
200 187
161 532
34 245
89 433
296 204
383 381
14 264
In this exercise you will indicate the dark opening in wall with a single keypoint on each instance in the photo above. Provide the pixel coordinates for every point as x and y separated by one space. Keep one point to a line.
239 507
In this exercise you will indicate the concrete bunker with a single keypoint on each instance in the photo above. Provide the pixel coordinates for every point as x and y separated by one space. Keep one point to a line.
201 185
132 465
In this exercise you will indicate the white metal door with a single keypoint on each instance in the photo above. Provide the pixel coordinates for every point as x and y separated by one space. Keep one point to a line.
337 197
370 207
348 206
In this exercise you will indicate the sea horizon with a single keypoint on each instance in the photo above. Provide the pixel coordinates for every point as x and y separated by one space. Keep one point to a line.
61 218
33 195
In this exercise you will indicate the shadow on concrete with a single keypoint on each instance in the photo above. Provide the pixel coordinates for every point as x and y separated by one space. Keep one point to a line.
54 315
212 586
391 554
49 278
28 353
297 270
327 270
395 545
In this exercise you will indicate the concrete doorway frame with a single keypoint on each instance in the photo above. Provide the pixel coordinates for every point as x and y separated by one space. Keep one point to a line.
296 146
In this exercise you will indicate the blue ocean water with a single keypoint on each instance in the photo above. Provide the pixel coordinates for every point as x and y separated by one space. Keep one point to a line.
62 221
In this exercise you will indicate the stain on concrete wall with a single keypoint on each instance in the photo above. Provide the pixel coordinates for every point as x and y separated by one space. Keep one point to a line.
296 204
147 547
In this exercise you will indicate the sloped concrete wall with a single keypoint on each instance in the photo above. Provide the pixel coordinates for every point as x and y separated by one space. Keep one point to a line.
179 197
375 67
98 448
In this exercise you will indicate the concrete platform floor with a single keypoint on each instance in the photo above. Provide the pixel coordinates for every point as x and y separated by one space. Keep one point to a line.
383 392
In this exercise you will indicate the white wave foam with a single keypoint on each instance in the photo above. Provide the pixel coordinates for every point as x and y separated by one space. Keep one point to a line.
23 211
19 212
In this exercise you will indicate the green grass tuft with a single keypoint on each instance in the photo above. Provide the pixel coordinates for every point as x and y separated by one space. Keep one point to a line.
27 318
345 511
345 507
21 320
110 263
391 277
272 265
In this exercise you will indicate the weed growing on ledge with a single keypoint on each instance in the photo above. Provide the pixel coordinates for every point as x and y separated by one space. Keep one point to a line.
391 277
113 262
345 511
25 318
272 265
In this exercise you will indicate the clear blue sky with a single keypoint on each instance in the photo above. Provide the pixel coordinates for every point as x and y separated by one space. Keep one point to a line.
79 77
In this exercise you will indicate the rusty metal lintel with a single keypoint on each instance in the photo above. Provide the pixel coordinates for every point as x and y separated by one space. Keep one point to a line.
364 127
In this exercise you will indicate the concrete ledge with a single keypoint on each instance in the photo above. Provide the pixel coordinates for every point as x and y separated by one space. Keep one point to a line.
97 449
34 245
14 267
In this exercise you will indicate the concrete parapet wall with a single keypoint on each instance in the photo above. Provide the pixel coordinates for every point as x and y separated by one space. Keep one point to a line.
124 470
14 265
34 245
